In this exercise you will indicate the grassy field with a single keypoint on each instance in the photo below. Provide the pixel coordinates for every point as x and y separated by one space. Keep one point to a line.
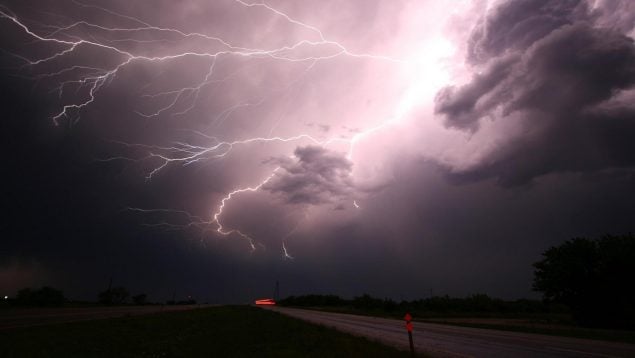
230 331
529 326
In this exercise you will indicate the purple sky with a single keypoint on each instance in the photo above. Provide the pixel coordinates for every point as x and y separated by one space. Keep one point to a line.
388 147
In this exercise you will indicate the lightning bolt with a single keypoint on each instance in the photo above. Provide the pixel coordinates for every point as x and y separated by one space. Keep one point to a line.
286 253
93 79
216 218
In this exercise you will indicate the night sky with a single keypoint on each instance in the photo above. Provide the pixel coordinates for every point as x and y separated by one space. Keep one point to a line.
399 148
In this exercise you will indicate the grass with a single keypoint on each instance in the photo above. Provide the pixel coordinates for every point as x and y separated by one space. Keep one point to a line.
229 331
561 331
553 325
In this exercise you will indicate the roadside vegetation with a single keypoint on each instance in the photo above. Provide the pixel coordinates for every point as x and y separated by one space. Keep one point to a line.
587 287
479 305
594 278
227 331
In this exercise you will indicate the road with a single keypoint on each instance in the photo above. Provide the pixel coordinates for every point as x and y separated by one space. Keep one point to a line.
27 317
452 341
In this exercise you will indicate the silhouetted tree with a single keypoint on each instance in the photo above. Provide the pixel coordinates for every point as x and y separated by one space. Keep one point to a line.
140 299
45 296
593 277
114 296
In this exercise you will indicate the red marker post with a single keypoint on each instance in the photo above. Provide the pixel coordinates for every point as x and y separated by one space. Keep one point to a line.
409 327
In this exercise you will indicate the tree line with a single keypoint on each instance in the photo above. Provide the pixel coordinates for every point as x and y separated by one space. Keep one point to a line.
592 280
51 297
477 305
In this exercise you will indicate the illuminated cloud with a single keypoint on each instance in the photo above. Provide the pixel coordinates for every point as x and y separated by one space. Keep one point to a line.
313 176
548 69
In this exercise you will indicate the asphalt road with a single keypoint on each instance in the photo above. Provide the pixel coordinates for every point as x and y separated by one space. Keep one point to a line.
27 317
451 341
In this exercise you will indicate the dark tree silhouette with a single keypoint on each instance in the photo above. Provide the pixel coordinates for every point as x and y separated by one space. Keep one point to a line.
593 277
114 296
45 296
140 299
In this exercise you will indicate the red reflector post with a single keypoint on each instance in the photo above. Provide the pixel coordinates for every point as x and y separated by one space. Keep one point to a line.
408 319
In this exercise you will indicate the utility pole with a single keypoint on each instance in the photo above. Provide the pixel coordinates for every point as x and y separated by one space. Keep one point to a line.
276 292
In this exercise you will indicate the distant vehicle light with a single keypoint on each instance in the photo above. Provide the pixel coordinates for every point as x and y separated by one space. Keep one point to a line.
265 302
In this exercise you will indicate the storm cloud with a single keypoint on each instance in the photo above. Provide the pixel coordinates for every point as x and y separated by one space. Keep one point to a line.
317 176
390 147
556 80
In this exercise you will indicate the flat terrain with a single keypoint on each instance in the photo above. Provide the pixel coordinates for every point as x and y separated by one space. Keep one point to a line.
224 331
444 340
27 317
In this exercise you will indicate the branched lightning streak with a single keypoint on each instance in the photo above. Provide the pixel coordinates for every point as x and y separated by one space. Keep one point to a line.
216 218
187 154
95 83
92 79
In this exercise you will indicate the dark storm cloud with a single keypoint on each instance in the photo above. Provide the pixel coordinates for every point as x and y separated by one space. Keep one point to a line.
559 71
465 105
314 176
516 24
556 80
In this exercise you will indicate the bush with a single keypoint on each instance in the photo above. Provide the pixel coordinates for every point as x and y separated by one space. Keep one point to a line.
45 296
114 296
